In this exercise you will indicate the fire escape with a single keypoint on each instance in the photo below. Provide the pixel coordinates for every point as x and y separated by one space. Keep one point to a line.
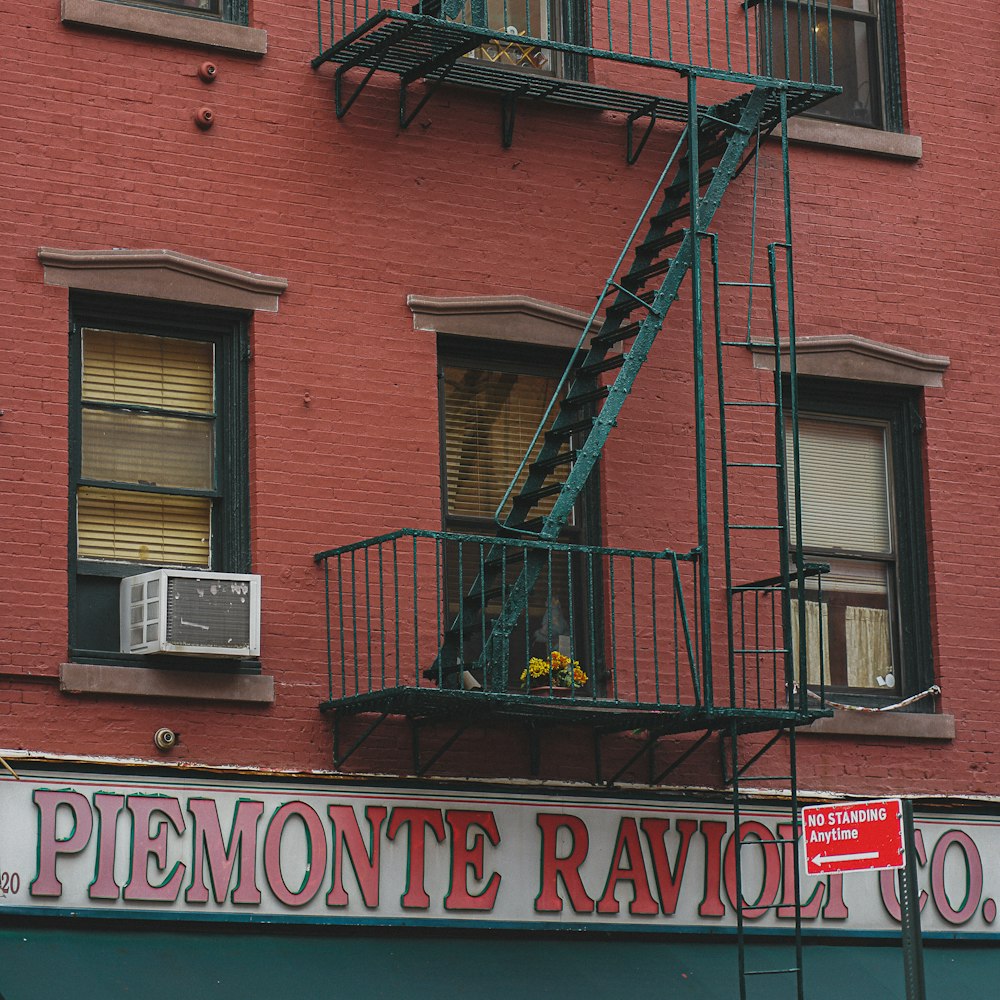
440 628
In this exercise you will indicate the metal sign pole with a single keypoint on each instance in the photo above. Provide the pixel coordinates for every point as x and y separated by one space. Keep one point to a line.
909 904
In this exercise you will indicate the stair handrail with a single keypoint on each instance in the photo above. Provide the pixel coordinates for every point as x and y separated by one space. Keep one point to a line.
571 364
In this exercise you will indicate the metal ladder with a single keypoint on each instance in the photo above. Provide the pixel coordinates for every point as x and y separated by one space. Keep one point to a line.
767 980
766 672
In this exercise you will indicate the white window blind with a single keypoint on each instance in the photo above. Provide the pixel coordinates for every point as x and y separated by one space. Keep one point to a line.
845 486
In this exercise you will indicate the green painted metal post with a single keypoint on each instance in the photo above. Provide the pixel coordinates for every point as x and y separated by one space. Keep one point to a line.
909 904
694 166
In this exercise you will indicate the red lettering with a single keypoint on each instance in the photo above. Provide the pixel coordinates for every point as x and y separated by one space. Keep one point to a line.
555 868
627 845
315 853
151 811
711 904
973 877
50 844
887 882
668 879
464 857
109 808
416 820
347 840
221 857
770 881
835 908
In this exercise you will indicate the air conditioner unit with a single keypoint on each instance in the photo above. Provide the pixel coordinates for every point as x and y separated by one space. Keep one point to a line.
191 612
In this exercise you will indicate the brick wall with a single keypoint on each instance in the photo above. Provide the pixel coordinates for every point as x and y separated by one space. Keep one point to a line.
101 150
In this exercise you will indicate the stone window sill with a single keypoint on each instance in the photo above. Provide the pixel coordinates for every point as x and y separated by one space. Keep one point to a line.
143 682
834 135
165 24
888 725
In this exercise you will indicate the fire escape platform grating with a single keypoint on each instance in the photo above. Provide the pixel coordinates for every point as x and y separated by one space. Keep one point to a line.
416 46
598 715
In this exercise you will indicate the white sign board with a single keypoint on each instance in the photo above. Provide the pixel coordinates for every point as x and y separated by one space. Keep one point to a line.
188 848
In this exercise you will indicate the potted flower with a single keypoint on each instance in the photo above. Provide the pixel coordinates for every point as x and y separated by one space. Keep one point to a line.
557 675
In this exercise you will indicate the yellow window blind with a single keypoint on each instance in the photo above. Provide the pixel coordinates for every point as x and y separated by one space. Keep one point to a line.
120 445
146 448
162 372
154 528
490 418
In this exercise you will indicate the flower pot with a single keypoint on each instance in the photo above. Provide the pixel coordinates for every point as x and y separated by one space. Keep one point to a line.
544 689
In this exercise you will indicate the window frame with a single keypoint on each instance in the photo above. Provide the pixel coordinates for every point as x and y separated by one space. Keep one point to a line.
898 409
524 359
517 359
230 11
228 331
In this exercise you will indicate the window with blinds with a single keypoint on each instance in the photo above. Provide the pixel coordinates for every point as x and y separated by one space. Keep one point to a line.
847 521
490 418
491 407
148 443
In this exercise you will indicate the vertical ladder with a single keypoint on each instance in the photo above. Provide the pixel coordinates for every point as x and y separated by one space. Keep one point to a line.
770 982
764 674
636 298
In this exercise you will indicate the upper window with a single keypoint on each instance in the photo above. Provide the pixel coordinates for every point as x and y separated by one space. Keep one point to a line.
862 513
225 10
159 459
214 24
560 20
865 57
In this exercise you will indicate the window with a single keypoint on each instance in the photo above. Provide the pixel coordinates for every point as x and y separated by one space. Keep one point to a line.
561 20
214 24
159 458
492 402
862 513
865 57
222 10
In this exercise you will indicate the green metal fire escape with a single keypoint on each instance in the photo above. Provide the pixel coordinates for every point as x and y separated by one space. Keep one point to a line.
388 593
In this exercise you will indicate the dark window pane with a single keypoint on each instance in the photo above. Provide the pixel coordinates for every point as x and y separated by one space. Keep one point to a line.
806 56
201 6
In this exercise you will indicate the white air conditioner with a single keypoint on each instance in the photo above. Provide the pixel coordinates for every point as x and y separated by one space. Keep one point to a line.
192 612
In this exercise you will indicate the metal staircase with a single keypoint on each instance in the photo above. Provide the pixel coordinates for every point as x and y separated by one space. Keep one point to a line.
661 250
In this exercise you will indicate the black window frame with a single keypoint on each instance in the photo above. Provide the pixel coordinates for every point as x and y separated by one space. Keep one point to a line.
897 408
93 584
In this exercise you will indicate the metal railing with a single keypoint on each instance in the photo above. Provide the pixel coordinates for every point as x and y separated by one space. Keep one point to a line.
788 40
771 669
625 618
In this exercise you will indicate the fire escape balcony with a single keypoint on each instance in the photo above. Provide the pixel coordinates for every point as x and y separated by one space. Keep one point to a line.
544 50
610 640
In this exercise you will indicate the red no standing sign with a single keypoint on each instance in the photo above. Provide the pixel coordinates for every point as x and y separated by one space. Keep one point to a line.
853 836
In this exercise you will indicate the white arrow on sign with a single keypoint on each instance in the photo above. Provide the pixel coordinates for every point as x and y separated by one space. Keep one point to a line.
825 859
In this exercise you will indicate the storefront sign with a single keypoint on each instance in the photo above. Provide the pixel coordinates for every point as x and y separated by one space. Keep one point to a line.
248 850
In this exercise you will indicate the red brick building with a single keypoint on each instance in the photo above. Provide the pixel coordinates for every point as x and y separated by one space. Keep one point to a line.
243 330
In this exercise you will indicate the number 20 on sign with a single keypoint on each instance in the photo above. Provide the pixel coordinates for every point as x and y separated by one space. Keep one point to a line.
853 836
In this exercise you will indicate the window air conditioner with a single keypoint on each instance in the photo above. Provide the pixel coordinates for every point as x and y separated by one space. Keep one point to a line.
191 612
